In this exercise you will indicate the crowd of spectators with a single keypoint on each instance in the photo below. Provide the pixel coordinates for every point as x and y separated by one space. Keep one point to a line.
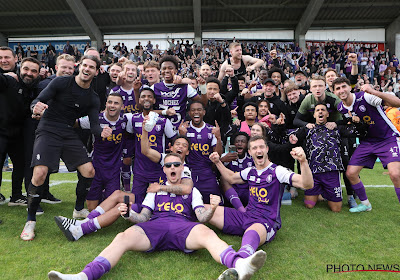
380 68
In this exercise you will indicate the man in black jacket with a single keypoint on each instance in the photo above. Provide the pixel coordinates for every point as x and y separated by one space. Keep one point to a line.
16 93
217 110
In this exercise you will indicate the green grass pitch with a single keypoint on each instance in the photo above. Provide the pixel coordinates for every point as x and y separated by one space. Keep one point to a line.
308 241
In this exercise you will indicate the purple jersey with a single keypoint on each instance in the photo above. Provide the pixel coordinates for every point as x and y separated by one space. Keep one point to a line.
369 109
202 143
173 96
164 204
266 189
128 96
237 166
157 137
107 152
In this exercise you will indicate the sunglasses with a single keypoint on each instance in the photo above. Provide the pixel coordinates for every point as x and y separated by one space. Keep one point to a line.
175 164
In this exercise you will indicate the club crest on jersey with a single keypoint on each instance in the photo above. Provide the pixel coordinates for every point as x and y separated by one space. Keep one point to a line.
269 178
130 98
158 127
249 164
362 108
185 196
209 135
123 125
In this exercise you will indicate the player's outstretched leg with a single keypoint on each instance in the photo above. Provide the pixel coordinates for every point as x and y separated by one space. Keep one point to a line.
248 266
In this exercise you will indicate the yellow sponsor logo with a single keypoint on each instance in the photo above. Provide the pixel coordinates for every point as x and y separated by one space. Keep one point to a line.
260 193
168 206
203 148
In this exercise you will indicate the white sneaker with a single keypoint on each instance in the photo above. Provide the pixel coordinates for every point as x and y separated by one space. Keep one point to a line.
81 214
71 232
55 275
29 231
250 265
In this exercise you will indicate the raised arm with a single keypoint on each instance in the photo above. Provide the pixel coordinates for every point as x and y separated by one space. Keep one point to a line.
230 176
204 215
388 99
305 179
152 154
252 62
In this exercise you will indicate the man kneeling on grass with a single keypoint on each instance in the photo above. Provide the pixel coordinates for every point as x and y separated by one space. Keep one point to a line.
173 218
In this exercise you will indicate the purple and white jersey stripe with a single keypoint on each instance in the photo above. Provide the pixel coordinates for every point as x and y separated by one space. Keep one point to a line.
265 191
173 96
202 144
128 96
239 165
368 108
107 152
164 204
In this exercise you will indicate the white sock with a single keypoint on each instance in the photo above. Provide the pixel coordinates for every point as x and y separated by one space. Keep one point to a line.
96 223
76 231
100 210
366 202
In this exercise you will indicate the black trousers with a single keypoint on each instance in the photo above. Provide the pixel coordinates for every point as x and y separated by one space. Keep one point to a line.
14 147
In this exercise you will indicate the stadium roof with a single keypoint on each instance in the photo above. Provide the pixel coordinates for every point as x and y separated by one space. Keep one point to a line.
70 17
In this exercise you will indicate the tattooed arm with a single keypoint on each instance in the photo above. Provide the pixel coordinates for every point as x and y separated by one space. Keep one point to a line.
204 215
185 187
134 217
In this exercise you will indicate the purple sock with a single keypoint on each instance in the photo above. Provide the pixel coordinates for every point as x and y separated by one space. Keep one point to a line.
93 214
97 268
398 193
126 177
229 257
250 242
234 199
359 189
88 227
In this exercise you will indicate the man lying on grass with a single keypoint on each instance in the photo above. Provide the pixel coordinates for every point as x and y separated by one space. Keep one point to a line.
262 219
171 227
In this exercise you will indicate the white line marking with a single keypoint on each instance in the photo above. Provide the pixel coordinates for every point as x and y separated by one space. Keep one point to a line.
53 183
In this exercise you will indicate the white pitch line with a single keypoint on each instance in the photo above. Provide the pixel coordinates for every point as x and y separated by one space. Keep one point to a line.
55 183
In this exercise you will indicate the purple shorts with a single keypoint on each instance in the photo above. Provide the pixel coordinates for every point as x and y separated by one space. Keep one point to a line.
366 153
104 183
206 183
236 223
168 233
139 187
328 185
